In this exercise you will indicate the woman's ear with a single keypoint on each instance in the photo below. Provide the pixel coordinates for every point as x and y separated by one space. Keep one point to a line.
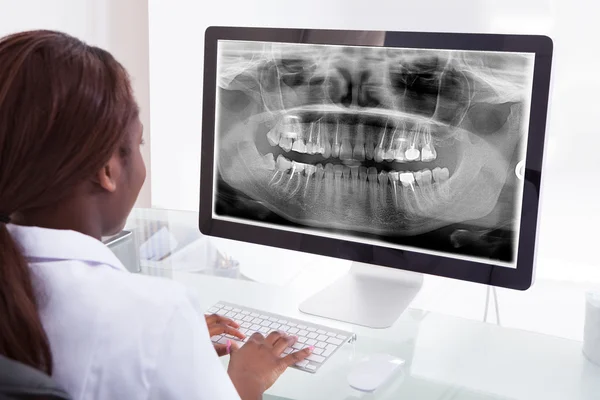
108 176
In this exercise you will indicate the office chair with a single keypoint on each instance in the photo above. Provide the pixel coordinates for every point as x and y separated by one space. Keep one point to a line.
21 382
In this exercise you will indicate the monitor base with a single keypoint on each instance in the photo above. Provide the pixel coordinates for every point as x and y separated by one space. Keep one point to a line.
367 295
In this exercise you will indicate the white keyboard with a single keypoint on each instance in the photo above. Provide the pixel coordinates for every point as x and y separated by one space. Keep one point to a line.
325 340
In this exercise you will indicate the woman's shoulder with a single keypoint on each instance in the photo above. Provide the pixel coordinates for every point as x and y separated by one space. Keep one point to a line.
141 290
112 293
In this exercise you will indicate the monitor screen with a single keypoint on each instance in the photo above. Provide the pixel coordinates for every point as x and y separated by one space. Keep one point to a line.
421 149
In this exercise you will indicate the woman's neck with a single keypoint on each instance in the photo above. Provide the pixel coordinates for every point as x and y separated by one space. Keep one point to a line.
75 215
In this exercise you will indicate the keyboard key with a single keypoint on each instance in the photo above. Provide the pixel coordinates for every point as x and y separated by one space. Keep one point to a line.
230 314
331 334
228 308
302 339
255 327
246 325
293 331
320 331
288 350
257 321
243 330
302 333
321 345
282 321
327 352
298 346
312 335
302 363
341 337
335 341
302 326
275 325
284 328
311 329
311 367
246 312
237 310
266 323
317 351
293 325
272 319
254 314
248 318
322 338
316 358
215 338
311 342
264 329
218 305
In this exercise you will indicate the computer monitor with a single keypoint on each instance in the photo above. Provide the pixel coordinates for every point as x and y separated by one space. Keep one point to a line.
421 152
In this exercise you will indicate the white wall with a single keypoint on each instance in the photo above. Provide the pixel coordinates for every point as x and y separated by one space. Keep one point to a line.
570 211
119 26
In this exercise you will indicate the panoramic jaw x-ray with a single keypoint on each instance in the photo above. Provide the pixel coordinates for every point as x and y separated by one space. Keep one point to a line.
404 147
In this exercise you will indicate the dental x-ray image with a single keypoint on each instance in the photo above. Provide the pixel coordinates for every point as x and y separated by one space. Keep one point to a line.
405 148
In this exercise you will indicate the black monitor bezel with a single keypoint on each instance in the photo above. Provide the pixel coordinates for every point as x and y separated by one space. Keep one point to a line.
519 278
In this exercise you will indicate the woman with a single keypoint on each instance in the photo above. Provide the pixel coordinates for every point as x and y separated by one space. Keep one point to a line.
70 172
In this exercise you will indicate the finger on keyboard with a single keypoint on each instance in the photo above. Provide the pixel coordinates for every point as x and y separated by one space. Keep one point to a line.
297 357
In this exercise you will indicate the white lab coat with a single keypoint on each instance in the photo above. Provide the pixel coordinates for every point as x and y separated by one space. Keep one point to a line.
117 335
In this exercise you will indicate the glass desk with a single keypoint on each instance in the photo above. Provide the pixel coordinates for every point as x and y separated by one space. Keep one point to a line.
449 355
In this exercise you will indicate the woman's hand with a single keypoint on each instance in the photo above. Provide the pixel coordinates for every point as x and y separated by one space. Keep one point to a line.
255 367
218 325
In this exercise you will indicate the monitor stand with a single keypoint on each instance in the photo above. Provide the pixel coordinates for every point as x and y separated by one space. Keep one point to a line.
367 295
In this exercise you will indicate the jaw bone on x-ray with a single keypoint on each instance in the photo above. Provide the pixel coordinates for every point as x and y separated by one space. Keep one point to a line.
405 147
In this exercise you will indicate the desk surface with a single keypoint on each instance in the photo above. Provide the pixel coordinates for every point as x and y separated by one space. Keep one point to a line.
450 353
447 357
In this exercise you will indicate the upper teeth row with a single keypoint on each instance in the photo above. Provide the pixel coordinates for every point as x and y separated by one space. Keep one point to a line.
407 178
316 138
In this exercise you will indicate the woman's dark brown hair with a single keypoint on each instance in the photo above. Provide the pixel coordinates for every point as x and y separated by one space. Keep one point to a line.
65 108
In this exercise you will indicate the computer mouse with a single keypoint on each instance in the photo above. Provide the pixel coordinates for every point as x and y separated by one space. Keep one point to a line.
373 371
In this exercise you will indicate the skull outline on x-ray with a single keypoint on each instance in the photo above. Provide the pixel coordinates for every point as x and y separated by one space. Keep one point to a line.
416 139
